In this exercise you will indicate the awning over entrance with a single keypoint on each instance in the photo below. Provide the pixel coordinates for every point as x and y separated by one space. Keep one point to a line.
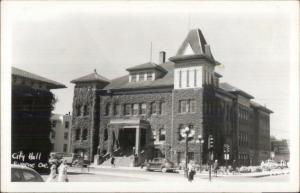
125 123
117 126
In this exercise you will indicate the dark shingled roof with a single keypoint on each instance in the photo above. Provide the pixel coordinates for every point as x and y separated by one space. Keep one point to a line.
166 80
229 88
255 104
93 77
148 65
51 83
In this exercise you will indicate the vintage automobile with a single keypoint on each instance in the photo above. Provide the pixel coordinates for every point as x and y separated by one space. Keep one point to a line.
159 164
24 174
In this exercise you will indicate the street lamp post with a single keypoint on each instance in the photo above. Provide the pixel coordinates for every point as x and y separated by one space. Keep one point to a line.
200 141
186 133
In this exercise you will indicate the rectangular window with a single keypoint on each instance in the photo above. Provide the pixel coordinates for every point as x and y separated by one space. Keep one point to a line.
67 125
149 75
192 106
162 106
141 76
66 135
195 78
77 134
65 148
187 78
53 134
180 76
117 109
127 109
107 109
162 134
133 77
54 122
153 108
135 109
182 106
143 109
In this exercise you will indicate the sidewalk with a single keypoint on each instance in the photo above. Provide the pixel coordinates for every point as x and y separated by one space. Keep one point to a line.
252 174
117 167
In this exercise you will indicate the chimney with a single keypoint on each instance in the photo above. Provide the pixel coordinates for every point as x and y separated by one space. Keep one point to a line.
162 57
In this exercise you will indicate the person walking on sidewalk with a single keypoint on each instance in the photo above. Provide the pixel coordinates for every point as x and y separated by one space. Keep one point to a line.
62 172
191 171
112 162
52 175
216 167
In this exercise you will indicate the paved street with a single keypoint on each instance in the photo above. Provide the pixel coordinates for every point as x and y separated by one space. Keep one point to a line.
138 175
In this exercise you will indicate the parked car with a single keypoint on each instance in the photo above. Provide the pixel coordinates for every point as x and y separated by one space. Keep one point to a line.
159 164
24 174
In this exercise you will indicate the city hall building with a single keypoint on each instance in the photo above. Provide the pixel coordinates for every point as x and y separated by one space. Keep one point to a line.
147 112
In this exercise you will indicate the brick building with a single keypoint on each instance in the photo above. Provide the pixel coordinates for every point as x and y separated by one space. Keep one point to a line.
32 103
145 111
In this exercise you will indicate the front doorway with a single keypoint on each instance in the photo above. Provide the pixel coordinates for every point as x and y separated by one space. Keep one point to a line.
126 140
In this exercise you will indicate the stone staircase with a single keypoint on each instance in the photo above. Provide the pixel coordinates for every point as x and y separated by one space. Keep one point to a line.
124 161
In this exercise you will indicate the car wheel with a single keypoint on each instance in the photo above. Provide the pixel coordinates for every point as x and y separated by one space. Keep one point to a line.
163 170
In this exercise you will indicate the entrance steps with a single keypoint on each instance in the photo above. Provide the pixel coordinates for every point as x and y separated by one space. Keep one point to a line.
124 161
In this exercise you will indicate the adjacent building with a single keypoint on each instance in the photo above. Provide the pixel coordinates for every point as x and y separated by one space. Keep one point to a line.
146 111
280 149
60 134
32 103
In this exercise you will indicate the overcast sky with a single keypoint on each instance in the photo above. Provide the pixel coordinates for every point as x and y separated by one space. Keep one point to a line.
66 40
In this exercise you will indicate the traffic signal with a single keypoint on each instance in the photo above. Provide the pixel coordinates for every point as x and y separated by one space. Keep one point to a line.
210 142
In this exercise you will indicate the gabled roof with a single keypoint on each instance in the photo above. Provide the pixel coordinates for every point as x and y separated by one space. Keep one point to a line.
195 40
22 73
232 89
148 65
198 47
93 77
165 81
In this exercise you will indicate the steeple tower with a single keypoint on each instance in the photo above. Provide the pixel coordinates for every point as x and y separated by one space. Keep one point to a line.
194 62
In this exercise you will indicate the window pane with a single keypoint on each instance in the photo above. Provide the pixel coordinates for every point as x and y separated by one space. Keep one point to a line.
143 109
84 135
192 106
65 135
133 77
107 109
67 124
149 75
116 109
153 108
77 135
141 76
135 109
183 106
187 78
162 134
127 109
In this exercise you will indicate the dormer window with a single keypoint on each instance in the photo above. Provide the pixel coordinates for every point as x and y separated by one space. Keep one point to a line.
149 76
134 77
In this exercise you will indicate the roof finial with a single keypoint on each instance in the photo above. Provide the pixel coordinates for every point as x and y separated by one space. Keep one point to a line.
95 70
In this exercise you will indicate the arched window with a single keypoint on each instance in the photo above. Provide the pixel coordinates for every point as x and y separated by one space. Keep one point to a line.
84 134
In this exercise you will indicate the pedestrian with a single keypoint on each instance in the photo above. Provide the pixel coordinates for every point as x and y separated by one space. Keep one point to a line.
234 167
216 167
112 161
191 171
52 175
62 172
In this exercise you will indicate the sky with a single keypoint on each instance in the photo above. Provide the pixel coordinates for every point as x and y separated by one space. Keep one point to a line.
69 39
